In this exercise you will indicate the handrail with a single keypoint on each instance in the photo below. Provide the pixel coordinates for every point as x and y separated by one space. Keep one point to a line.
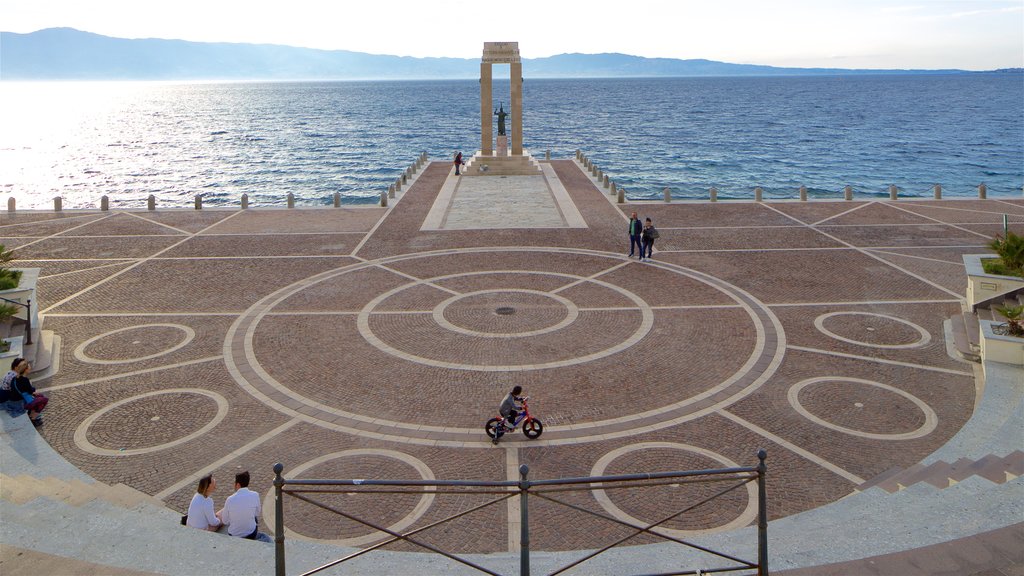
502 490
28 318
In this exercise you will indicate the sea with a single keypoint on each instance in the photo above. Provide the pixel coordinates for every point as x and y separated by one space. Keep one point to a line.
128 140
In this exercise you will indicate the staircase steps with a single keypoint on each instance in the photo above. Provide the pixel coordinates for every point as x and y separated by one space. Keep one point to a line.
966 336
25 488
941 474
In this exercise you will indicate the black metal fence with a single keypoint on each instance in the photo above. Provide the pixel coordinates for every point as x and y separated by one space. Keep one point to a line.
729 479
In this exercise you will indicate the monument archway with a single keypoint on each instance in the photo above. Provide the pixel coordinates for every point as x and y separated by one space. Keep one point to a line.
501 53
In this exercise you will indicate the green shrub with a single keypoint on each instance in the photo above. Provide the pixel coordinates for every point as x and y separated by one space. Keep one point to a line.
8 278
1013 316
1011 252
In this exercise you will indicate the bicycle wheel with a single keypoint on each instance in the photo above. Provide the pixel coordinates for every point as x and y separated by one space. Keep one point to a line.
493 428
533 429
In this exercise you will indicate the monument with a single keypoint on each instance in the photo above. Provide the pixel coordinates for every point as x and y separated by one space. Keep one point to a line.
500 159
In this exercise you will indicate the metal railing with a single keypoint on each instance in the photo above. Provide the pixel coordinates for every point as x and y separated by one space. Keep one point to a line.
501 491
28 318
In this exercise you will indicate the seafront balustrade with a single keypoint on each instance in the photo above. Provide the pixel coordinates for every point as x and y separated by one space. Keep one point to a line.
601 179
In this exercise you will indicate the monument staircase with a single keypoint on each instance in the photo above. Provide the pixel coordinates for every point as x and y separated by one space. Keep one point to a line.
502 165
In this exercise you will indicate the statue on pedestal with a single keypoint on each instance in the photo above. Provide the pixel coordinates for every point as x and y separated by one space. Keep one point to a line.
501 114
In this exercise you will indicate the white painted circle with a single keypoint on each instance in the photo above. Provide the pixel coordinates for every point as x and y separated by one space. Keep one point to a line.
417 512
80 354
931 420
82 441
744 519
923 340
572 313
647 321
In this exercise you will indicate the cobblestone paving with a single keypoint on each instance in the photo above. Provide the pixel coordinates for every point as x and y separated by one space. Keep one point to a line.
348 343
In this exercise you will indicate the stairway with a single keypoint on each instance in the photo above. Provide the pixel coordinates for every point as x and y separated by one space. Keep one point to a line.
942 474
966 328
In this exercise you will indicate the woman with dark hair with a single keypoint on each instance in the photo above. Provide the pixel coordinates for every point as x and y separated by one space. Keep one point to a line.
5 389
22 389
200 511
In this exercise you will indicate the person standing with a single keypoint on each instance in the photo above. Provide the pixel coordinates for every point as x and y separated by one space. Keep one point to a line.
242 510
649 234
200 510
636 228
458 162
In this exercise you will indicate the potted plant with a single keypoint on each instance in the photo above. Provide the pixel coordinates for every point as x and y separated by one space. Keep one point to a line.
1011 256
1013 315
8 279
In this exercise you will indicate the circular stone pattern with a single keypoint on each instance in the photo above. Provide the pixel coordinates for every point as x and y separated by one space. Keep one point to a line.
396 511
872 330
150 422
109 347
434 327
535 315
862 408
508 313
642 506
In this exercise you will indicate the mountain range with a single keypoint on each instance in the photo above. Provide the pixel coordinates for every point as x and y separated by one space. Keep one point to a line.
69 54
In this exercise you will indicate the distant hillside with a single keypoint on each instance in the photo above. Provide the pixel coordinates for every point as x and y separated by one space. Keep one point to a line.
68 54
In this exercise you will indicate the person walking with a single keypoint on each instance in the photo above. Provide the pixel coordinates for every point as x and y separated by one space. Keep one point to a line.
649 235
636 228
458 162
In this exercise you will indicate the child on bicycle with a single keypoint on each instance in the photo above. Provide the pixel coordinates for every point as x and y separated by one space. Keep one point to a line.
511 405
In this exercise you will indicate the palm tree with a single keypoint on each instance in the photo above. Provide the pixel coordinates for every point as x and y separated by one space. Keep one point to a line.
1011 252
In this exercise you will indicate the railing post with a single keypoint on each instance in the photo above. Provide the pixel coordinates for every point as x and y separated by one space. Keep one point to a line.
757 194
104 203
11 202
668 194
893 192
982 191
713 194
278 520
762 516
803 193
337 199
245 201
848 193
291 200
524 522
28 323
938 191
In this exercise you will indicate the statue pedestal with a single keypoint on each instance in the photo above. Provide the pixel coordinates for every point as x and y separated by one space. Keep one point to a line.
502 148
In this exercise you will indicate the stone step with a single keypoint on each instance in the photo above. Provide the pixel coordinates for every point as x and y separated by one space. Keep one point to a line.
941 474
962 337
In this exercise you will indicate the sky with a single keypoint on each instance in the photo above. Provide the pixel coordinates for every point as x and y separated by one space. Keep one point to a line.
925 34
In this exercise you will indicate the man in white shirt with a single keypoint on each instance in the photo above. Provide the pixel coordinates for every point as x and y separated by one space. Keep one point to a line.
242 511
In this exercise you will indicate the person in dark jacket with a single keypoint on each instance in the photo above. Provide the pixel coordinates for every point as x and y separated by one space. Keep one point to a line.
648 236
636 229
22 387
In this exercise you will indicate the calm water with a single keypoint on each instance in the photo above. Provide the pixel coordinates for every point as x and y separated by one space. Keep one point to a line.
129 140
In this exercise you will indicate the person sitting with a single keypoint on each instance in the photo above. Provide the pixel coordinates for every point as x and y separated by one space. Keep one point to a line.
5 390
241 511
23 391
200 511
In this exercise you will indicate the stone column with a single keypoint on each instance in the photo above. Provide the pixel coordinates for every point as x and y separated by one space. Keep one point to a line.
151 202
982 191
245 201
938 192
104 203
291 200
893 192
11 204
486 114
516 70
848 193
199 202
713 193
803 193
757 194
58 204
337 200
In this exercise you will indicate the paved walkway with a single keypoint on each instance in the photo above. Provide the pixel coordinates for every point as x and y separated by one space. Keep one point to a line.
361 343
